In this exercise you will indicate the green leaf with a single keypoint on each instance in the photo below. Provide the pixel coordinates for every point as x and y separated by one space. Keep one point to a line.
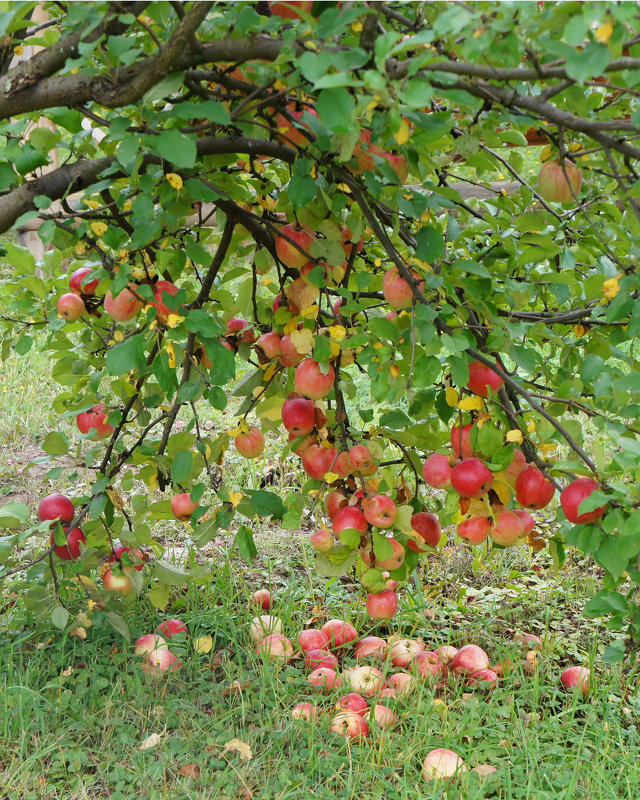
336 109
302 190
605 603
181 466
245 544
60 617
167 86
588 63
12 515
201 322
266 504
333 569
118 624
159 596
176 148
609 556
429 244
126 356
55 444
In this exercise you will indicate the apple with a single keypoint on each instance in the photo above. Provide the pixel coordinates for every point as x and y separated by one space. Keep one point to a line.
56 507
442 764
76 281
475 529
325 679
510 473
71 551
171 628
160 290
402 683
533 490
447 653
395 560
322 540
347 518
469 659
396 289
310 381
530 663
237 326
528 640
313 639
428 665
351 726
436 471
160 660
527 520
270 344
132 558
287 252
299 415
182 506
334 501
276 647
471 478
573 495
117 582
304 444
251 444
315 461
305 711
485 679
348 243
262 626
576 678
366 680
482 378
339 463
95 418
262 599
123 306
383 716
320 658
353 702
427 526
557 187
148 643
507 528
461 441
382 605
362 460
290 356
380 511
370 647
403 651
71 307
340 633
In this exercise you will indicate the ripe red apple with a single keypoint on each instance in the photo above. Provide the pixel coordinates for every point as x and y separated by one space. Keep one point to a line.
339 463
75 537
442 764
160 290
276 647
311 381
576 678
322 540
270 344
171 628
305 711
573 495
528 640
380 511
427 526
96 418
396 559
148 643
320 658
383 716
533 490
159 661
471 478
447 653
182 506
350 726
469 659
485 679
510 473
402 683
251 444
334 501
132 558
482 378
118 582
71 307
403 651
76 281
362 460
353 702
507 528
313 639
366 680
123 306
349 517
237 326
290 356
262 599
340 633
315 461
428 664
527 520
370 647
299 415
382 605
553 184
325 679
436 471
475 529
56 507
290 256
262 626
461 441
396 289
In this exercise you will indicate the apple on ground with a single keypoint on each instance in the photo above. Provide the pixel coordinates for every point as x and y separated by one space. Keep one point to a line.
305 711
469 659
350 725
402 683
148 643
340 633
262 626
320 658
276 647
370 647
483 679
366 680
576 678
442 764
325 679
383 716
403 651
447 653
262 599
171 628
428 665
313 639
159 661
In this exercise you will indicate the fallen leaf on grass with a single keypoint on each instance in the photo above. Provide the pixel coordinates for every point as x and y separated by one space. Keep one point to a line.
151 741
238 746
80 632
189 771
484 770
235 687
203 644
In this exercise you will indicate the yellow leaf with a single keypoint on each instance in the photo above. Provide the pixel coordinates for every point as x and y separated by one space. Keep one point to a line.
173 320
151 741
79 632
118 336
81 248
203 644
603 32
310 312
482 418
291 326
238 746
330 477
515 435
402 134
303 341
356 27
335 349
270 371
337 332
451 396
547 153
235 498
580 330
610 288
258 167
18 50
548 448
172 355
471 404
531 426
153 482
502 490
174 180
395 370
99 228
116 499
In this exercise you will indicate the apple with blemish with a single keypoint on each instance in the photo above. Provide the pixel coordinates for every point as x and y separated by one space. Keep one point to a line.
380 511
362 460
322 540
270 344
469 659
370 647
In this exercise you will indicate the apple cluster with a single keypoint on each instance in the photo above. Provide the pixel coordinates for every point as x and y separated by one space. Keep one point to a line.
157 658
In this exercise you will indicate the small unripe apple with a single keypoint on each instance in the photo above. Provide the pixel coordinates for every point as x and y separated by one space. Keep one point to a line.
71 307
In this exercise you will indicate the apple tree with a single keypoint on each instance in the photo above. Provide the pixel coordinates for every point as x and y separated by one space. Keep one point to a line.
323 219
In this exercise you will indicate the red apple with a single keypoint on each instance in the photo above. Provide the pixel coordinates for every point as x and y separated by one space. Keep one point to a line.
171 628
322 540
428 664
334 501
315 461
362 460
56 507
396 559
442 764
485 679
313 639
132 558
160 291
382 605
182 506
482 378
251 444
237 326
290 356
299 415
366 680
75 537
370 647
533 490
324 679
276 647
270 344
471 478
436 471
118 582
339 463
350 726
447 653
349 517
507 528
383 716
95 418
573 495
123 306
557 187
461 441
262 599
527 520
528 640
427 526
402 683
76 283
396 289
311 381
510 473
469 659
576 678
403 651
475 529
304 444
340 633
380 511
305 711
159 661
288 253
262 626
320 658
71 307
148 643
353 702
